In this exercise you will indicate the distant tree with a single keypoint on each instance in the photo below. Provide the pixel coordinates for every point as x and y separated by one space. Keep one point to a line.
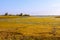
26 15
21 14
6 14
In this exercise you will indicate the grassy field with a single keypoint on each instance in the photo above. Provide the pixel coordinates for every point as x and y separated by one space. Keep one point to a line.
30 26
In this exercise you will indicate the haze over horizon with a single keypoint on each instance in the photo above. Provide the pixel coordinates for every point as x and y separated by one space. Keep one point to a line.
32 7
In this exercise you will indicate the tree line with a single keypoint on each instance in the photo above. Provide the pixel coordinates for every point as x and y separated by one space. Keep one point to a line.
21 14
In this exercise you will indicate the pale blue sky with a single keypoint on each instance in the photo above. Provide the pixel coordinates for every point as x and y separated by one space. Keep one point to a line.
32 7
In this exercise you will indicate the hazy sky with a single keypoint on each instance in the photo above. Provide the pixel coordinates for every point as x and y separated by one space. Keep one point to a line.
33 7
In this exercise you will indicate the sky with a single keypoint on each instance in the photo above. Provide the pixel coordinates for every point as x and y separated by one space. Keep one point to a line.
32 7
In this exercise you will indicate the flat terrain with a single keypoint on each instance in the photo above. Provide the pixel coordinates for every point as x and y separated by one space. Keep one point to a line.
31 26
